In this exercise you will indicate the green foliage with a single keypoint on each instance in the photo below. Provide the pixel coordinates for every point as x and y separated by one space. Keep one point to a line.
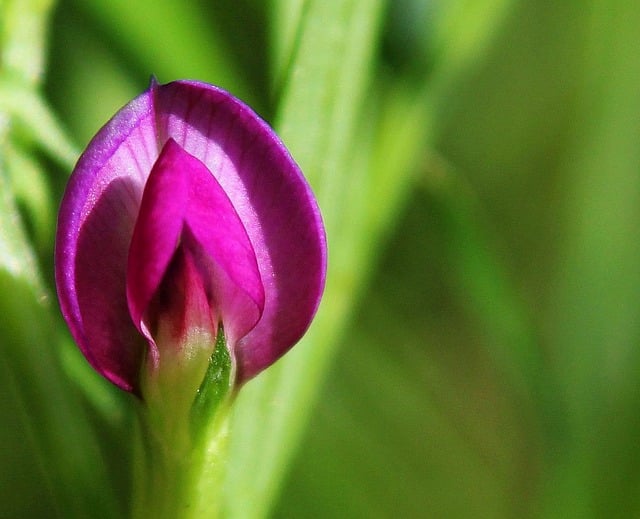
477 165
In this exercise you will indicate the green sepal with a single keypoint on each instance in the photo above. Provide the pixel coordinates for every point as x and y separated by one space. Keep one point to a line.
215 387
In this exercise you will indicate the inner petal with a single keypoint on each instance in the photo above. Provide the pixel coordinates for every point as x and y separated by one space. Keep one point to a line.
180 315
184 206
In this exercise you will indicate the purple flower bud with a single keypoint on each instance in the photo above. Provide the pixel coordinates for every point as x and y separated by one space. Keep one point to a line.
184 213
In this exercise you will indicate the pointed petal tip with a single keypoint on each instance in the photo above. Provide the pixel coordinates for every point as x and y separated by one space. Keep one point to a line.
184 206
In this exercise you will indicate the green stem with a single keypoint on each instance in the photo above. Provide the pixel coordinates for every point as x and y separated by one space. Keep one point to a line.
182 435
177 476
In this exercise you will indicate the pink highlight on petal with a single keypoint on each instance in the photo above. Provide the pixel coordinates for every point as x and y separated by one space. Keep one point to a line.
183 205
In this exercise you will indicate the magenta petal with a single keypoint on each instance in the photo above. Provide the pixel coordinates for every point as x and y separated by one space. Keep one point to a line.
183 205
271 197
245 214
96 219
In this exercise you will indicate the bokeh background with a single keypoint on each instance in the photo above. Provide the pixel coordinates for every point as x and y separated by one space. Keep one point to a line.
478 166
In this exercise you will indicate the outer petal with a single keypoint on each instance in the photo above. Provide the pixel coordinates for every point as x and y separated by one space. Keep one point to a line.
184 206
262 182
95 223
271 197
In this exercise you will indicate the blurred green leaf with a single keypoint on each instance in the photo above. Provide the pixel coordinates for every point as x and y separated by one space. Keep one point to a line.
26 109
318 115
409 420
285 25
86 93
16 257
24 26
38 407
60 460
33 193
596 293
394 433
465 28
171 40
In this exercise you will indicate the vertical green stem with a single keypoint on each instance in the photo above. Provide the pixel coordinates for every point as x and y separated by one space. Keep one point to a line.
177 476
181 451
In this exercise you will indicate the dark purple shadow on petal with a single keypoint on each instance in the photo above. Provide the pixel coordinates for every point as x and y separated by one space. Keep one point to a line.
184 206
125 148
109 339
156 235
181 304
273 200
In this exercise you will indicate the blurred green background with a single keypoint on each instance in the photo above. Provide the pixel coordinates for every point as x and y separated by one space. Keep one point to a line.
478 167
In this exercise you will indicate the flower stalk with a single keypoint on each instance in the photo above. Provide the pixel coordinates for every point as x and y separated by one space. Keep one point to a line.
182 445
